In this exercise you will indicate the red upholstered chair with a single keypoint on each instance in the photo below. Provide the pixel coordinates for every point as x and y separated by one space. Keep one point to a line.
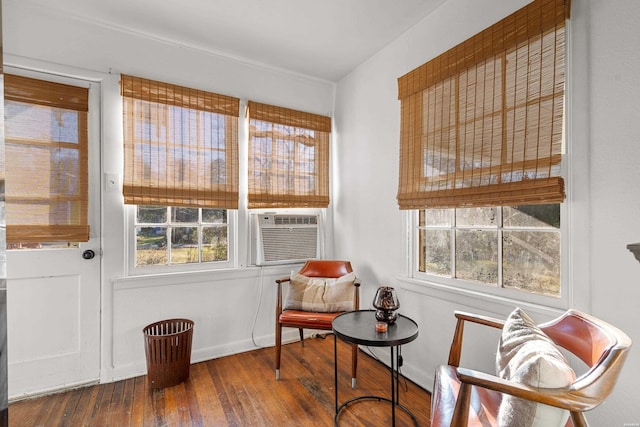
464 397
311 319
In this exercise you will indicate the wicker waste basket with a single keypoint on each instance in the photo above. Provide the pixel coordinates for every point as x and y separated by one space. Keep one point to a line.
168 351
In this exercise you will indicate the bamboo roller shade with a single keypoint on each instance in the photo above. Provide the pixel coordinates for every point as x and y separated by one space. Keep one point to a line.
180 145
288 158
482 124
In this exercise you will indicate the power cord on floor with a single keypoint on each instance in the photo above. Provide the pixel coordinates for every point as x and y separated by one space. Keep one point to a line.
255 317
398 372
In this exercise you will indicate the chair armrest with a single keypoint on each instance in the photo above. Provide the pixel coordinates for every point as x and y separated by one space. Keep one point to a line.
279 283
456 345
480 319
559 397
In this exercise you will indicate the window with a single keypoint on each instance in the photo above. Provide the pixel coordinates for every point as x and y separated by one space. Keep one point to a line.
181 173
46 138
288 158
481 146
176 235
504 247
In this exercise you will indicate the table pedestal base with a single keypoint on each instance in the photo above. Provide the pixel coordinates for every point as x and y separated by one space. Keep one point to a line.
395 387
378 398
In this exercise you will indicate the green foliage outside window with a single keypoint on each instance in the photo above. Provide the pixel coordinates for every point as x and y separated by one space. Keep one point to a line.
514 247
176 235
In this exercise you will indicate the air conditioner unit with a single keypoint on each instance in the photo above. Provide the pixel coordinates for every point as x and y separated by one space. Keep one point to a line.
282 238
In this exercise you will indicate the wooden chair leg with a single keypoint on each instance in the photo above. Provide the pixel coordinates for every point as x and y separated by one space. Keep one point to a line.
578 419
354 364
301 336
278 349
461 412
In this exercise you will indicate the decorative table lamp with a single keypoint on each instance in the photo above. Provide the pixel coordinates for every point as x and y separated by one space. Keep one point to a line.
386 303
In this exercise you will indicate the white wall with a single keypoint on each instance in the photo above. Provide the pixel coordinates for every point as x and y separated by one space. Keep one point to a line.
603 193
233 310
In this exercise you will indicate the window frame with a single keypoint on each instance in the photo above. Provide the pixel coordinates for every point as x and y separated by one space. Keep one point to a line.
130 252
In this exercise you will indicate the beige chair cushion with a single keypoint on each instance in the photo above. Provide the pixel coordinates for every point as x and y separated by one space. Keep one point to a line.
323 295
528 356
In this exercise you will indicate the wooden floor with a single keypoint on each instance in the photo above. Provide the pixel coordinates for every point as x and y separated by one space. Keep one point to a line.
238 390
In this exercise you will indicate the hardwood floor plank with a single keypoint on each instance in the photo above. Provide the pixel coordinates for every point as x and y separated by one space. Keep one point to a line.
238 391
208 402
101 406
138 402
85 403
225 393
71 407
191 402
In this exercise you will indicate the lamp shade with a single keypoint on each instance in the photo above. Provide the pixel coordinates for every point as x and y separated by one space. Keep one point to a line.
386 303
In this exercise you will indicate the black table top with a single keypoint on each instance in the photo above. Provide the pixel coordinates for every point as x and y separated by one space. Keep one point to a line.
359 327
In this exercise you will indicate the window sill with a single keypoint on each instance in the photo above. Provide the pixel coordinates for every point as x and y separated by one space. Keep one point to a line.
201 276
499 304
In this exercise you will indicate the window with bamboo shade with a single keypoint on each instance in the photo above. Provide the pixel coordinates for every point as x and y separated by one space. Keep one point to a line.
288 158
482 124
46 140
180 145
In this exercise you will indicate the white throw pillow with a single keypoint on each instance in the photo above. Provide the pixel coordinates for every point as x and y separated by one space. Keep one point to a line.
317 294
528 356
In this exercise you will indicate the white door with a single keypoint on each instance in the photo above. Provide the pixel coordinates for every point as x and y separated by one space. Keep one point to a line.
53 308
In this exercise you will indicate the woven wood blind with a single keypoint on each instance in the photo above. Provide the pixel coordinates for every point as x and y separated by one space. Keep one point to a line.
288 158
180 145
46 140
482 124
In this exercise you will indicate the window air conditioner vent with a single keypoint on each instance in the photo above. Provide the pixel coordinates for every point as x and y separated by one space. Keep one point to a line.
295 219
284 239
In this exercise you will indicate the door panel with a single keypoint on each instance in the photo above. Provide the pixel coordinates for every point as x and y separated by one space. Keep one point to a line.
53 322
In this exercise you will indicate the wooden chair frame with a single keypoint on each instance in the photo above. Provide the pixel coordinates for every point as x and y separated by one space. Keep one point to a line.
312 320
602 347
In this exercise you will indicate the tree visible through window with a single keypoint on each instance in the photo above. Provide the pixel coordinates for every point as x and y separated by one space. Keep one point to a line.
508 247
167 236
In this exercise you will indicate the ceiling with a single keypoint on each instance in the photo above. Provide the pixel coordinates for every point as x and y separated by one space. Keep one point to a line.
325 39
